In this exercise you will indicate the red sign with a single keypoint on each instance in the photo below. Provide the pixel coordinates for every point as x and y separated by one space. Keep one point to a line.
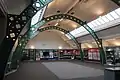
93 54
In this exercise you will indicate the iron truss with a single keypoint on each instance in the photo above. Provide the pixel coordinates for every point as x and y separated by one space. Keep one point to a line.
33 30
15 24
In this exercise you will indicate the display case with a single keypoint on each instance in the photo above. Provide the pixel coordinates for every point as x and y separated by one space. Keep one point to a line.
50 54
91 54
113 55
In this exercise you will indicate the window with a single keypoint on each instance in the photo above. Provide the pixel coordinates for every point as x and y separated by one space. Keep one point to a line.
73 32
97 22
93 23
35 18
114 15
101 20
109 17
105 19
38 16
78 30
118 11
90 25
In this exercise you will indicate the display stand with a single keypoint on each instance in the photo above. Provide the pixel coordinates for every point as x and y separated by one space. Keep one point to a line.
112 73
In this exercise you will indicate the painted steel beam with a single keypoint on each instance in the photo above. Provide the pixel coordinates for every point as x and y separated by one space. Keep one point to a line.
50 28
15 24
35 27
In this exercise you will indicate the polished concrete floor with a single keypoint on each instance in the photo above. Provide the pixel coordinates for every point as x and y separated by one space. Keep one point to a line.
58 70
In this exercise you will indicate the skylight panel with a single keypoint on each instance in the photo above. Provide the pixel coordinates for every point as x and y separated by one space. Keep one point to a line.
101 20
118 11
105 19
97 22
109 17
114 14
93 23
90 25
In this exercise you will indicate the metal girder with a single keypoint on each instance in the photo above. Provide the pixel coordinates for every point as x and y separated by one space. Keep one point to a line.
34 28
64 31
49 28
15 24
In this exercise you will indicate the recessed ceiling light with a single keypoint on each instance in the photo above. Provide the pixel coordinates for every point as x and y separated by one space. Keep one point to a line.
99 12
56 24
60 47
72 13
32 47
58 11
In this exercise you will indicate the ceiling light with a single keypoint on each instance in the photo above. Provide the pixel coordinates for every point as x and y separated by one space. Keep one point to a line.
32 29
110 39
60 47
90 46
117 43
20 44
56 24
37 5
32 47
62 32
61 19
99 12
74 25
72 13
109 49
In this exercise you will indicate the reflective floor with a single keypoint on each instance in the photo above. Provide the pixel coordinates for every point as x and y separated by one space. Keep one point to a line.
58 70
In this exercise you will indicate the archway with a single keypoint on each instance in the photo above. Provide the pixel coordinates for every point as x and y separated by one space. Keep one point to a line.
34 28
14 25
24 40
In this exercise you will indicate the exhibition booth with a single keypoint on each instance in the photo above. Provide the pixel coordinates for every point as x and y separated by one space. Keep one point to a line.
50 54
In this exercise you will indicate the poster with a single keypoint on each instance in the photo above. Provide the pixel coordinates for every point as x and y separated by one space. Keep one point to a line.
93 54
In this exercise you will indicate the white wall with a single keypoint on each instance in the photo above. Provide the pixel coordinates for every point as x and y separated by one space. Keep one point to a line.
48 40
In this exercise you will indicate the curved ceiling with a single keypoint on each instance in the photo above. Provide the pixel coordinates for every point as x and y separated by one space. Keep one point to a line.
15 6
86 10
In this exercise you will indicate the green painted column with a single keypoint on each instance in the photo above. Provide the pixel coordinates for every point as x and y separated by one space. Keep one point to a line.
102 53
81 53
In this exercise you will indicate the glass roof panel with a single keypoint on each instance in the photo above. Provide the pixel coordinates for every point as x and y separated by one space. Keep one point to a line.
109 17
97 22
118 11
93 23
90 25
105 19
101 20
114 14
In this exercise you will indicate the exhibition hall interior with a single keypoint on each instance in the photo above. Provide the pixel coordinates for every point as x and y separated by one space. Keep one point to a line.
60 40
